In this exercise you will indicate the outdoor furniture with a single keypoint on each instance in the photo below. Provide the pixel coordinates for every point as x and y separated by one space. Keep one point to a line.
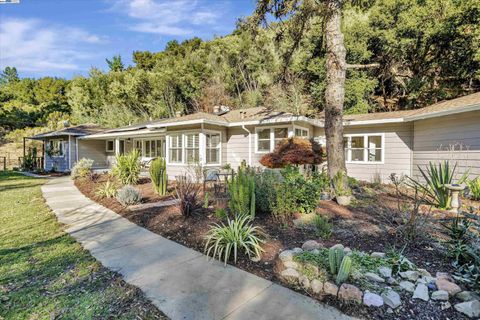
211 175
226 174
145 163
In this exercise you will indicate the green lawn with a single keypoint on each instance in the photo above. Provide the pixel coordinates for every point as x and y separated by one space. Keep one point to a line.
45 274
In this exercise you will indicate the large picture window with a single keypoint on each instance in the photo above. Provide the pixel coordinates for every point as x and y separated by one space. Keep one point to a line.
176 148
56 148
268 138
192 148
213 148
367 148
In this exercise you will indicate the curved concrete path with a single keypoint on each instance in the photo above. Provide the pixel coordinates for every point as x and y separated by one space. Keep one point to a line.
181 282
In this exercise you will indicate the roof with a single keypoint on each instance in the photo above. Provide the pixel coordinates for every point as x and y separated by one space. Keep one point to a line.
80 130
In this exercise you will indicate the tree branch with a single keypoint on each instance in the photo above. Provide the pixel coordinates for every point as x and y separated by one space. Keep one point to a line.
363 66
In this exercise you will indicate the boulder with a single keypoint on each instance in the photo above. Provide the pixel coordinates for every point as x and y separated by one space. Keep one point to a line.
443 275
385 272
286 255
407 286
347 251
290 274
391 298
440 295
349 292
330 288
450 287
290 264
467 296
374 277
310 245
470 308
409 275
392 281
371 299
424 273
377 255
421 292
304 282
316 286
297 250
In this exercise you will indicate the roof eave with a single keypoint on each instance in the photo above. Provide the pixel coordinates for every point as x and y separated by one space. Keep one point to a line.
472 107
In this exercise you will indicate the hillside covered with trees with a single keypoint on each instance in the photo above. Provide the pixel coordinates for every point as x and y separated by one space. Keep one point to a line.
407 47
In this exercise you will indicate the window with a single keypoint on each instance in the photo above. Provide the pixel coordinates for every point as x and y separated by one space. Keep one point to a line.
56 148
279 135
192 148
363 148
121 145
301 132
213 148
176 154
110 145
263 140
138 145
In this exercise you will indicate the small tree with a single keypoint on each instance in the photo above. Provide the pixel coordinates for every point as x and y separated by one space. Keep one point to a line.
293 151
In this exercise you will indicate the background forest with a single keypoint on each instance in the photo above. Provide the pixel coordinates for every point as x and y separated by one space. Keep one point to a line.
419 52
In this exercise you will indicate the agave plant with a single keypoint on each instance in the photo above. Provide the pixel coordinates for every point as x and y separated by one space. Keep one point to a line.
127 167
436 177
237 234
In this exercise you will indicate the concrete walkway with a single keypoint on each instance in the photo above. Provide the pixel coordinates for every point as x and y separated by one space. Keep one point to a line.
181 282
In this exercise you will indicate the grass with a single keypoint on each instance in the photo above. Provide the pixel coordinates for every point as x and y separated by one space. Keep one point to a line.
45 274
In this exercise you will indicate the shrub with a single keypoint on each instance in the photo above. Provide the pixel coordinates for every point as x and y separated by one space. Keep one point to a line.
293 151
107 190
127 167
265 186
436 177
158 174
237 235
285 203
474 186
188 194
323 226
82 168
129 195
305 191
221 213
241 190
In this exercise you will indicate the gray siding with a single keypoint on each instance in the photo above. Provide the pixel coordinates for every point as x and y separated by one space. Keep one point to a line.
59 163
455 138
95 150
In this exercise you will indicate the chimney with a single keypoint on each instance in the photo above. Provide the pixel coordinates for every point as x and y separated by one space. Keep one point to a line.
66 123
216 109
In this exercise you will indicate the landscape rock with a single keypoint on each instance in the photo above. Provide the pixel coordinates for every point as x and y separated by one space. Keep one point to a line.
421 292
374 277
440 295
450 287
349 292
391 298
443 275
385 272
377 255
304 282
290 264
392 280
409 275
371 299
424 273
316 285
297 250
470 308
347 251
256 258
330 288
290 274
467 296
315 251
429 279
311 245
407 286
445 305
286 255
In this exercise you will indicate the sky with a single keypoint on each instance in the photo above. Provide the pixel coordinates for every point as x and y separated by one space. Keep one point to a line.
65 38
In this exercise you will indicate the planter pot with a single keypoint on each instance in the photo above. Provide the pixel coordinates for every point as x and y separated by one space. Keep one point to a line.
343 200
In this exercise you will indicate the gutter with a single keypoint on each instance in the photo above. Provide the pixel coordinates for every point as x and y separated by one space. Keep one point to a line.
472 107
249 145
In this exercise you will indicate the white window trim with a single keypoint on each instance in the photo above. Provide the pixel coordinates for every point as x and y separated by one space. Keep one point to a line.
365 149
142 144
295 126
205 148
169 143
106 145
202 147
272 136
62 141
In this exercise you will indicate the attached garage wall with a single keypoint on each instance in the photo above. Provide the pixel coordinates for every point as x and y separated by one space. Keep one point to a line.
455 138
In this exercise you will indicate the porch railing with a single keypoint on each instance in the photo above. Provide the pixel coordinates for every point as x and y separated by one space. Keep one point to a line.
37 163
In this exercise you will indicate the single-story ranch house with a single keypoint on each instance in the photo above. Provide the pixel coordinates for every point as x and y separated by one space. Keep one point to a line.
375 144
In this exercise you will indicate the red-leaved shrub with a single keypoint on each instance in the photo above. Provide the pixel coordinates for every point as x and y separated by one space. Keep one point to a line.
293 151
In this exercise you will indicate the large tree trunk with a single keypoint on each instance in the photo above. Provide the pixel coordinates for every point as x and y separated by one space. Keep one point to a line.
335 91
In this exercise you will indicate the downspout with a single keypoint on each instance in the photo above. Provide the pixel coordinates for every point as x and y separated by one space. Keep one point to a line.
249 145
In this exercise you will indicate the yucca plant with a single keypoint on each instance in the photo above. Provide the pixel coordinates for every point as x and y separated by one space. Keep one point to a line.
241 190
158 174
436 177
474 186
107 190
237 235
127 167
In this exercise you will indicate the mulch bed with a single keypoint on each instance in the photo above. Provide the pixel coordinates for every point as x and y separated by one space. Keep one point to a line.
367 225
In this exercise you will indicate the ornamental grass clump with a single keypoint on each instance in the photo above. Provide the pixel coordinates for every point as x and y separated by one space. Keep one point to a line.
127 167
158 174
107 190
474 187
238 235
242 193
82 169
128 196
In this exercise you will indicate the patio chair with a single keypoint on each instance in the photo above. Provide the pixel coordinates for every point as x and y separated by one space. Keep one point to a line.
211 175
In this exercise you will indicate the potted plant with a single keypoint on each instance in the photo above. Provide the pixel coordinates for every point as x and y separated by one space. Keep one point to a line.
343 194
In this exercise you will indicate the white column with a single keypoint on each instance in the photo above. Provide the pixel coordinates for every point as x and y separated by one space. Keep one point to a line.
117 146
202 145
